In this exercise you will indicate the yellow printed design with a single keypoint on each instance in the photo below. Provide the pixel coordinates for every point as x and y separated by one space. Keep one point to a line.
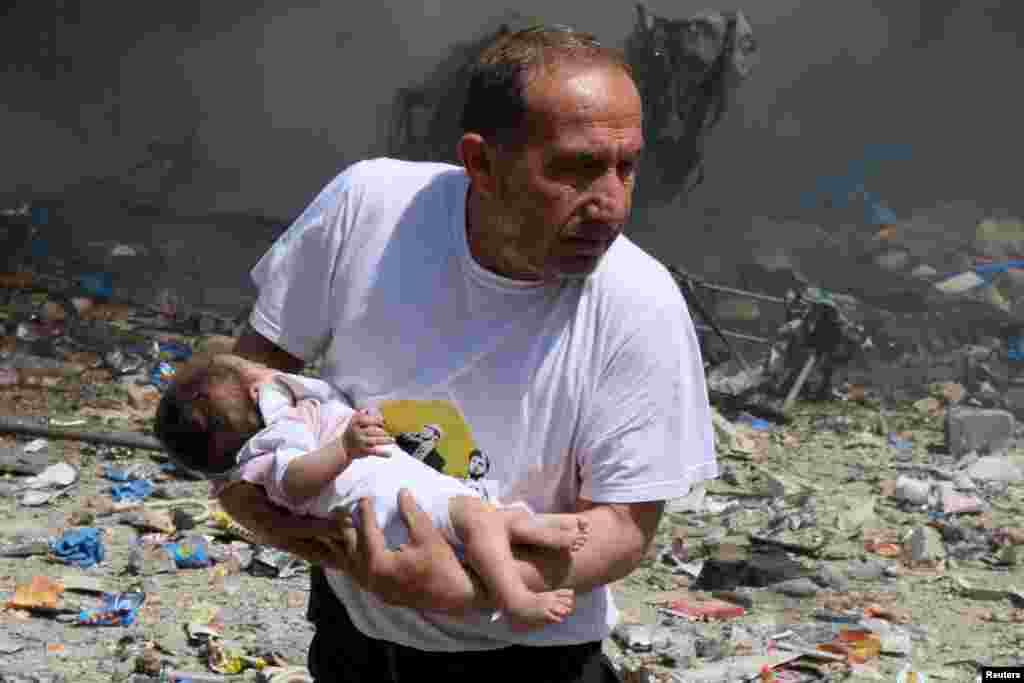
433 431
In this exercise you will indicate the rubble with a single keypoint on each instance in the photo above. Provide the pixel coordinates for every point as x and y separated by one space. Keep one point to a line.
870 534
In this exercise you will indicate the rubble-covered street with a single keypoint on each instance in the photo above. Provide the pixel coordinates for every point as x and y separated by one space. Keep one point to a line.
867 537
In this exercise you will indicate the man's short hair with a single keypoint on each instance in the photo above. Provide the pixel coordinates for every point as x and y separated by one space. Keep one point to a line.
496 97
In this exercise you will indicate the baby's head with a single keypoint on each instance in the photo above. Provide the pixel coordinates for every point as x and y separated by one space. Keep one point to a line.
209 411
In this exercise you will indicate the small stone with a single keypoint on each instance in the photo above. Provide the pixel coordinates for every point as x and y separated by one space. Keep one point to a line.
829 578
709 648
635 637
925 545
913 491
865 570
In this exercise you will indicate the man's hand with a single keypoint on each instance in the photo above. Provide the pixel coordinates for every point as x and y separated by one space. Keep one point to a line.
365 435
317 541
423 574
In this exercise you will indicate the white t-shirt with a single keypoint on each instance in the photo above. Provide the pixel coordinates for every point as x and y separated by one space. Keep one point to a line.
587 389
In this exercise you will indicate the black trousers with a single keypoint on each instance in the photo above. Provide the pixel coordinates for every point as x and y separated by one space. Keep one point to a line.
340 653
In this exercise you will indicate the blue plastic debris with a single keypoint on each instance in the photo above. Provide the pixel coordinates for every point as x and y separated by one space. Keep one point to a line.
114 474
900 444
40 215
118 609
754 422
99 285
82 547
135 489
161 375
190 553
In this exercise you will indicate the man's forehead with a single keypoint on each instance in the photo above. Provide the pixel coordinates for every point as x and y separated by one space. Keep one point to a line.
591 144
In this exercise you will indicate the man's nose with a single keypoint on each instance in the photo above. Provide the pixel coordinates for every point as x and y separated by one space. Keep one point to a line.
610 197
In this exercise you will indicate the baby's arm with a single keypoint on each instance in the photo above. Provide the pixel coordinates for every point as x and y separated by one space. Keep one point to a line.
307 475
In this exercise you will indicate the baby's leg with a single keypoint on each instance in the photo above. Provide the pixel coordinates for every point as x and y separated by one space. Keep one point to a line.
555 531
484 533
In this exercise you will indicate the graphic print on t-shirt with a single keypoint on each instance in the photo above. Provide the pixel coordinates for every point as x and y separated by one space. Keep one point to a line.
433 431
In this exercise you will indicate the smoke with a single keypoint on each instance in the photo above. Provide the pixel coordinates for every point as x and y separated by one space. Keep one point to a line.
283 99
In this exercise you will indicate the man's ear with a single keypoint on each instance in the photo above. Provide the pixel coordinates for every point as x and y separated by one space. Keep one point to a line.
479 159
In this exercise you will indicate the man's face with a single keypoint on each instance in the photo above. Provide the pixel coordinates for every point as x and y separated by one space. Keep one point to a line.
563 196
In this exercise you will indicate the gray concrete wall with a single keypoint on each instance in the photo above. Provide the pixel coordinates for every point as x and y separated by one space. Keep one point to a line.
283 98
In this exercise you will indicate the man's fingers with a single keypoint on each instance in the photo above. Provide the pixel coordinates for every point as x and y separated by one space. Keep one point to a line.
371 538
372 447
418 521
367 420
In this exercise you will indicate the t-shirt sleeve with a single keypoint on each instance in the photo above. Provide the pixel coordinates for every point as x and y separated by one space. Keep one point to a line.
295 277
646 433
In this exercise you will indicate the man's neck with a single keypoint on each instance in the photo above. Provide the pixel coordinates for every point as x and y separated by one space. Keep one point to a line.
480 247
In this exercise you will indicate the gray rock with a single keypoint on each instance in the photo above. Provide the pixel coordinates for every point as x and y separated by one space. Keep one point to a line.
796 588
865 570
995 468
709 648
926 544
975 429
913 491
829 578
635 637
963 482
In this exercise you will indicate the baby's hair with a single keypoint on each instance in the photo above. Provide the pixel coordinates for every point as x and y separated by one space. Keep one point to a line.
186 421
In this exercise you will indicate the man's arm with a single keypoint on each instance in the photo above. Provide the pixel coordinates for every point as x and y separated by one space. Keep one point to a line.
314 540
254 346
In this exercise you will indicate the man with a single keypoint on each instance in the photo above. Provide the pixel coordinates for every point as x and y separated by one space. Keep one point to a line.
506 288
420 445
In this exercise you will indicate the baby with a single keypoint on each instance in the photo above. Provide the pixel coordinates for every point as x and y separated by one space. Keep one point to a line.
229 418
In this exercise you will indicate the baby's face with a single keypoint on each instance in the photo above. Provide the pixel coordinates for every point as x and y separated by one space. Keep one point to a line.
251 374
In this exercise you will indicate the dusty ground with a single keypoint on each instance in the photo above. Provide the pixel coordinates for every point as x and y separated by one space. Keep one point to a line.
839 482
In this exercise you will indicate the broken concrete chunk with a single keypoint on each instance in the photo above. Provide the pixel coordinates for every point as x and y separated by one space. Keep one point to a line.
829 578
914 491
796 588
15 460
963 482
867 569
977 429
925 545
635 637
995 468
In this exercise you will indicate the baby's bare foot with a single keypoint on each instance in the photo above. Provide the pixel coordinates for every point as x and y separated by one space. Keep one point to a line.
551 607
554 531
